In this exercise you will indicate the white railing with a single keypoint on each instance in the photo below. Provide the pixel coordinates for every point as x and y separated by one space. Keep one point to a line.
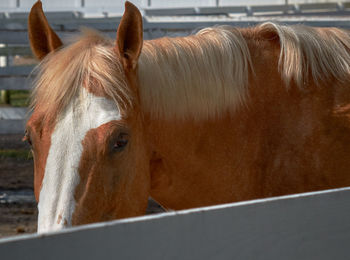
304 226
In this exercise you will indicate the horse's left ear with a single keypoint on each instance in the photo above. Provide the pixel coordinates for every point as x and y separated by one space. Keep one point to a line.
42 38
130 36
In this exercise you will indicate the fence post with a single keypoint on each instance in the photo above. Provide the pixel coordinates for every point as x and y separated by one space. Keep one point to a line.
5 97
5 94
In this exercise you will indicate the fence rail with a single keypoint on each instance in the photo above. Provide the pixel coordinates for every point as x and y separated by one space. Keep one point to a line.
339 8
304 226
158 22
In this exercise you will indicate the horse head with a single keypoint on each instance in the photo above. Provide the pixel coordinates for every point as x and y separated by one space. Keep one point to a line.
86 130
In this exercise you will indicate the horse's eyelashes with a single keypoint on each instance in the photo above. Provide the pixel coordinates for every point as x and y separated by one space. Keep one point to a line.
120 142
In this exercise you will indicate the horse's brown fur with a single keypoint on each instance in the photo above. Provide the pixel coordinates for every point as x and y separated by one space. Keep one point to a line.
286 140
287 130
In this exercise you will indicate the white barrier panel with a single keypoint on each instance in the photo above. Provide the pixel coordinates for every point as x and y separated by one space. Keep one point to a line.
305 226
12 120
13 126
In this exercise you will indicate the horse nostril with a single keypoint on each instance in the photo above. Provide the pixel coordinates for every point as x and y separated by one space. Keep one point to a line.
59 219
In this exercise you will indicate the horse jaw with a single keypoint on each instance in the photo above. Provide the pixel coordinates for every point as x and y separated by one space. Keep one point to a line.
56 201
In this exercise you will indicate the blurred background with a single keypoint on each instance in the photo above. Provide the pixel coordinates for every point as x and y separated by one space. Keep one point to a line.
171 18
117 7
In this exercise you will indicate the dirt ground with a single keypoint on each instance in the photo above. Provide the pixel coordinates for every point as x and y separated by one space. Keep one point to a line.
16 175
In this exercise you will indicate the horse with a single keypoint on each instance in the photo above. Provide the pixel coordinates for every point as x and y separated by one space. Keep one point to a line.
224 115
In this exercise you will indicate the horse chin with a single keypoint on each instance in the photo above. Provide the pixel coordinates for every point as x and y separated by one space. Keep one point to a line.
42 228
53 217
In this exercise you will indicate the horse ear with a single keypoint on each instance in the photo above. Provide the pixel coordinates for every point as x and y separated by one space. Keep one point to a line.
129 36
42 38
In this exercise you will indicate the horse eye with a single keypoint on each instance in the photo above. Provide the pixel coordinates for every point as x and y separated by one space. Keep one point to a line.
121 141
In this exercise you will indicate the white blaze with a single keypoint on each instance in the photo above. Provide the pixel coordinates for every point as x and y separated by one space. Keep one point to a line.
56 200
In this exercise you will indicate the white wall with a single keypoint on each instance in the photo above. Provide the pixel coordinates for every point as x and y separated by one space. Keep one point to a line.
7 4
192 3
181 3
51 4
117 6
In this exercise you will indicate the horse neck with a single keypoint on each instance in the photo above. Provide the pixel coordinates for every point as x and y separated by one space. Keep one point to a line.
182 148
247 154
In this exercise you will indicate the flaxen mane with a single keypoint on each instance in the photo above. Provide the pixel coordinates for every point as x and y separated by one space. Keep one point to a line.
198 76
321 53
91 60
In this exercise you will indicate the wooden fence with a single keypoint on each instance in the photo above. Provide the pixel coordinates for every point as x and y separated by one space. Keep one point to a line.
157 23
304 226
